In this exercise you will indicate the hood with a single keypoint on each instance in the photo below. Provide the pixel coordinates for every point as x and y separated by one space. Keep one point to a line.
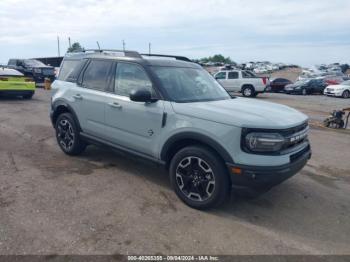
293 86
44 67
338 86
243 112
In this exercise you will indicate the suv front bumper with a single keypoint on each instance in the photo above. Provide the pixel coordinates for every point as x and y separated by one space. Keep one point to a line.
261 179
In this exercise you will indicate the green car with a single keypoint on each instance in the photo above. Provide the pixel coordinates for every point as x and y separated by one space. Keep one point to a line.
14 83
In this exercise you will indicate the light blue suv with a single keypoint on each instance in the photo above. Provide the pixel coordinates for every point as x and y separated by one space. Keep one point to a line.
172 112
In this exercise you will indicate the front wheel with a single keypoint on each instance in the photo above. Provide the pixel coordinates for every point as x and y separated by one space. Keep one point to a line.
199 177
67 135
346 94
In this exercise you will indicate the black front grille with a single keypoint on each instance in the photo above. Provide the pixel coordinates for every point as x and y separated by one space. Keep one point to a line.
296 138
48 72
296 156
291 131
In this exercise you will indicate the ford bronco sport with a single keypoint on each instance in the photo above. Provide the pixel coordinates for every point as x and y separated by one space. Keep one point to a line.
171 111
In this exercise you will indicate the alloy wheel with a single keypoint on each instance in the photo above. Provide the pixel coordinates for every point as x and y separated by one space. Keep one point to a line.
195 178
247 91
65 134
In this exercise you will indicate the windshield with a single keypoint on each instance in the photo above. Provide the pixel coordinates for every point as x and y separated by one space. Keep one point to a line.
301 82
33 63
190 85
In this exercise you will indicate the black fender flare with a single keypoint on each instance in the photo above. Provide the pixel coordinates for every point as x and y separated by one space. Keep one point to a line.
62 102
203 139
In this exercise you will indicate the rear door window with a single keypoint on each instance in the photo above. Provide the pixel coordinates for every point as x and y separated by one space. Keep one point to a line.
233 75
97 75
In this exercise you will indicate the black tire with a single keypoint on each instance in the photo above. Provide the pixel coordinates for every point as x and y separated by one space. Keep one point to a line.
28 96
346 94
341 124
326 123
205 170
68 135
248 91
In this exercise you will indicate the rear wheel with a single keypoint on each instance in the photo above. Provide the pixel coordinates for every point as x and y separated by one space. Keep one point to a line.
199 177
248 91
346 94
304 92
28 96
68 136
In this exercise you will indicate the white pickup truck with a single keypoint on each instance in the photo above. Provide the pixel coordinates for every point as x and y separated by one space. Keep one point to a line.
242 81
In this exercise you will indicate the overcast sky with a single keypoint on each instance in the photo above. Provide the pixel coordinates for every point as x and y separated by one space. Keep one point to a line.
291 31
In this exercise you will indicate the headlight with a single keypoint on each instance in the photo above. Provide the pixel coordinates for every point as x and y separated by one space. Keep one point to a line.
37 70
264 142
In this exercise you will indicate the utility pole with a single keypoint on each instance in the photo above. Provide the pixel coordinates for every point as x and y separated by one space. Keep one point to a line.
149 48
70 45
123 45
58 46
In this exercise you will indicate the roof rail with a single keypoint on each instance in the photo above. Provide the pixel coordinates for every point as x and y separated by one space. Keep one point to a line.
182 58
126 52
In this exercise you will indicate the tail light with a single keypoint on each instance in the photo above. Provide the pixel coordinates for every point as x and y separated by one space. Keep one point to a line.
4 79
264 79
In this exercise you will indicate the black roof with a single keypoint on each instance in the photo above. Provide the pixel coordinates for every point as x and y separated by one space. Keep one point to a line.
132 56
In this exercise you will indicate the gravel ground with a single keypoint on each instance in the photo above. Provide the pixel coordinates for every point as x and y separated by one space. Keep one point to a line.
104 202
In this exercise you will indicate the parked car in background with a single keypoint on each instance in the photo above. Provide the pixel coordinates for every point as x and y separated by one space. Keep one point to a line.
14 83
333 80
245 82
34 69
278 84
341 90
306 87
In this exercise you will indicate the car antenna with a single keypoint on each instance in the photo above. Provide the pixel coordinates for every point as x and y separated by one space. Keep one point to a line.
98 45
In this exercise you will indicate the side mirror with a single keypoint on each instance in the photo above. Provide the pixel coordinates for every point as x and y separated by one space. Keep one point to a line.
141 95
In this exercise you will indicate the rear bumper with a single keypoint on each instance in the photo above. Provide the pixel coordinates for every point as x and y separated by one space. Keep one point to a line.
16 92
40 79
276 88
263 178
297 92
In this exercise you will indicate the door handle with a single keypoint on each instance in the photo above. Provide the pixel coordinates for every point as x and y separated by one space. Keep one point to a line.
115 105
78 97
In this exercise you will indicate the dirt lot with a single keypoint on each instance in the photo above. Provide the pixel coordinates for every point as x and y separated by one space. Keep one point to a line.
106 203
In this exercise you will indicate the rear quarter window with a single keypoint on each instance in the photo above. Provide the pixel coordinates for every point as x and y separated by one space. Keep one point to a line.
70 69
